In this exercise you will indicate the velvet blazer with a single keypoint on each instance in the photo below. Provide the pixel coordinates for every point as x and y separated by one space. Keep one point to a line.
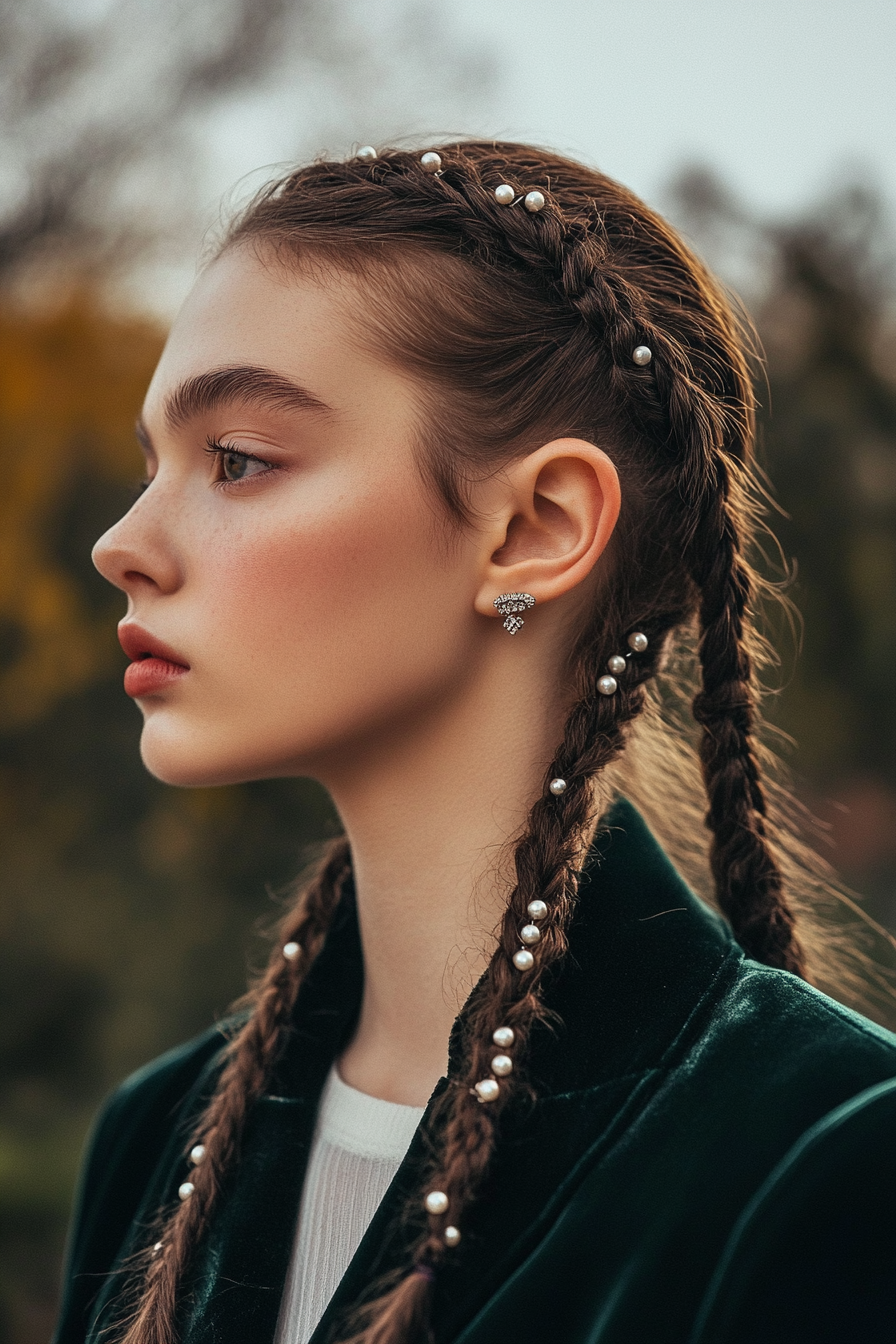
711 1158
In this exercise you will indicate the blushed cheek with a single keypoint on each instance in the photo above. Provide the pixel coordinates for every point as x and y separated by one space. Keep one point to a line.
323 621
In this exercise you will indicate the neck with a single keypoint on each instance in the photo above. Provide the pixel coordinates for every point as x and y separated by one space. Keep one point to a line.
429 810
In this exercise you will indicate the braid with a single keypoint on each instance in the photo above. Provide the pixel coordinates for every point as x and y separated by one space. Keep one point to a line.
250 1057
548 863
748 879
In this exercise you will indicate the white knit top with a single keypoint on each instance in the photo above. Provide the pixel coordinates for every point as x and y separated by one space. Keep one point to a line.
359 1142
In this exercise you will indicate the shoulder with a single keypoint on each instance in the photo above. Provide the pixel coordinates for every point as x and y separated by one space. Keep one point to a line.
832 1196
127 1140
784 1031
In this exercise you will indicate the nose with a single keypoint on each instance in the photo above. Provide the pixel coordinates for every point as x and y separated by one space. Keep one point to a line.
136 553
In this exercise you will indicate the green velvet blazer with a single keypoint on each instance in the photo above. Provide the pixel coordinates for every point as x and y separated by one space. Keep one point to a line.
711 1158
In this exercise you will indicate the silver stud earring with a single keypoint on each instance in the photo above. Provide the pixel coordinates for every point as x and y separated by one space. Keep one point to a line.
510 605
642 355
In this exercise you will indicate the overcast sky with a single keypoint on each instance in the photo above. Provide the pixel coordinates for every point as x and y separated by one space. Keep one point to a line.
779 95
782 97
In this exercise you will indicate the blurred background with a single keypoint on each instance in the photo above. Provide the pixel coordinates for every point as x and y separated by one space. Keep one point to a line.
765 131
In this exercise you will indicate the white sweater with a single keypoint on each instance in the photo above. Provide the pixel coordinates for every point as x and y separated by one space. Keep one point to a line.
359 1142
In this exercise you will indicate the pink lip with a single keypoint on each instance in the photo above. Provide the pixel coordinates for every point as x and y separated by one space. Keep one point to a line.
153 664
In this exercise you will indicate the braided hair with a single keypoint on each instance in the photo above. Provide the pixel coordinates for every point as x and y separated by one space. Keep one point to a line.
524 321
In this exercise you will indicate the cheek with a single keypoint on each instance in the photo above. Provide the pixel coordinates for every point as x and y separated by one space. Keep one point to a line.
312 625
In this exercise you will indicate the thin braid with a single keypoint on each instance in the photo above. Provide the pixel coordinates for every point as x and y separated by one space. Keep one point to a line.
548 863
748 879
250 1057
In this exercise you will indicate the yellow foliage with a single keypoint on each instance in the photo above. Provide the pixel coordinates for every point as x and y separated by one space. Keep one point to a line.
71 384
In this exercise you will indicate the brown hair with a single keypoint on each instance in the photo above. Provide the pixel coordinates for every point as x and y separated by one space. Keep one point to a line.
524 324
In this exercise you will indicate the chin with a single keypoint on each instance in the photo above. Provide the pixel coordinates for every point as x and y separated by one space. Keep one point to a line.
185 764
194 760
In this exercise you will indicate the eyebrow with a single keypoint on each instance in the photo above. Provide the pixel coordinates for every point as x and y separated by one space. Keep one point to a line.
245 383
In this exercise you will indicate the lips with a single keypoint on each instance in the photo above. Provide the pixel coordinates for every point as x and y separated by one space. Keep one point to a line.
154 665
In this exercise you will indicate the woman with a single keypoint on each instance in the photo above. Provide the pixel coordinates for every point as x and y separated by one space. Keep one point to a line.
448 458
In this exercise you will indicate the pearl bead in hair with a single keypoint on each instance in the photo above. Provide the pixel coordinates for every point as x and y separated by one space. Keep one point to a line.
616 665
523 960
487 1089
502 1065
436 1202
367 153
186 1190
536 909
451 1236
642 355
504 194
637 641
291 950
530 934
607 685
431 162
197 1153
557 786
533 201
503 1037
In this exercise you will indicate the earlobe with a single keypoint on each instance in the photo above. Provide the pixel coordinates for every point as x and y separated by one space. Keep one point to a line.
553 518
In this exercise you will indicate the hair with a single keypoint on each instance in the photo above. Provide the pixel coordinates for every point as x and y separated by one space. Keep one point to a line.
524 325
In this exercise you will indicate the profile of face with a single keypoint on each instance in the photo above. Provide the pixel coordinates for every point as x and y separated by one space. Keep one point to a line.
295 591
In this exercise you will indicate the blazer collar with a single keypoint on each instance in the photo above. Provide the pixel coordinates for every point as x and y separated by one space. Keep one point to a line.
644 952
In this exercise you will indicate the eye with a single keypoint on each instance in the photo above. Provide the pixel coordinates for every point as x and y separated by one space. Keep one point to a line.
235 465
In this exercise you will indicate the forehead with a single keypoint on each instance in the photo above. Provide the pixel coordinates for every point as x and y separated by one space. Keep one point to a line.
242 311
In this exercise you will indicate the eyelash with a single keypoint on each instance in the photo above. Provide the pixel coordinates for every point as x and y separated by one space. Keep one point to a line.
216 450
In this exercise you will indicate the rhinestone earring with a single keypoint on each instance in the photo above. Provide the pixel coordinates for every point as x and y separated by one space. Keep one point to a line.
510 605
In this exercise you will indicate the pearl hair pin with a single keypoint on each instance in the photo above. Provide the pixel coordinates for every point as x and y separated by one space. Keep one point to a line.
558 786
197 1153
366 153
533 200
436 1202
503 1037
291 950
431 162
642 355
451 1236
607 684
186 1190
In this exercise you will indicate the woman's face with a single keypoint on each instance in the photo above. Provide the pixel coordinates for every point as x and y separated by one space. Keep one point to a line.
286 563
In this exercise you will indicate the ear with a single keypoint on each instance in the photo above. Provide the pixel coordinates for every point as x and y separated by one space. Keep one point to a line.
550 517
